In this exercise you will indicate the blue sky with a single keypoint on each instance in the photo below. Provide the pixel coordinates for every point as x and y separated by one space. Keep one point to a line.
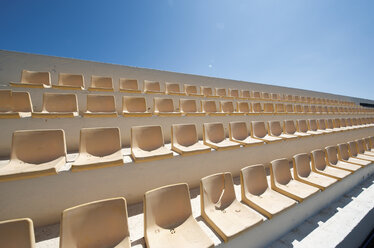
323 45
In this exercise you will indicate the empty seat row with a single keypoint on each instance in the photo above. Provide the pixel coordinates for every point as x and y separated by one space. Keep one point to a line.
18 104
37 153
37 79
168 219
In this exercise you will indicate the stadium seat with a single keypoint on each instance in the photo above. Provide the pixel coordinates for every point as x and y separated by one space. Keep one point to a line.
245 94
275 97
68 81
191 90
33 79
164 107
17 233
134 106
234 93
168 220
220 208
320 166
256 95
222 93
152 87
188 107
303 173
99 83
58 105
209 107
228 108
244 107
290 128
257 194
289 109
35 153
275 130
174 89
332 158
6 106
96 224
98 148
298 109
348 155
265 96
313 127
259 131
21 104
313 109
279 108
207 91
129 85
100 106
238 132
282 181
214 137
185 141
356 150
330 126
268 108
302 127
306 109
321 125
368 145
338 125
257 108
147 144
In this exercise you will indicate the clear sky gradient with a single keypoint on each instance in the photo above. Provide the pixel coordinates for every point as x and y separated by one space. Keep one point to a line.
322 45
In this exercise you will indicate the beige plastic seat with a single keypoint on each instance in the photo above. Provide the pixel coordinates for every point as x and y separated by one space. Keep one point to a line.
343 124
279 108
259 131
129 85
289 108
21 104
164 107
257 194
222 93
349 124
244 107
368 145
347 155
357 153
298 109
35 153
214 137
207 91
188 107
313 126
220 208
302 172
363 149
185 141
330 126
306 109
100 83
168 220
290 128
275 97
275 130
238 132
98 148
174 89
191 90
134 106
6 106
234 93
291 98
147 144
265 96
245 94
333 159
68 81
319 165
152 87
33 79
338 125
228 108
58 105
296 98
17 233
209 107
321 125
100 106
313 109
302 127
268 108
96 224
257 108
302 99
282 181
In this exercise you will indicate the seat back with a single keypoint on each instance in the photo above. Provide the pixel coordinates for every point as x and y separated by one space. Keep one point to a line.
96 224
243 107
302 126
38 146
319 159
134 104
275 128
268 107
289 127
5 100
206 91
234 93
352 148
343 123
190 89
279 108
256 94
298 108
221 92
259 129
214 132
217 191
188 106
313 125
163 104
257 107
101 103
265 95
35 77
275 97
289 108
254 179
172 88
368 146
208 106
344 151
128 84
238 130
147 138
60 102
68 79
100 142
361 146
329 124
321 123
17 233
166 207
280 171
337 123
313 109
21 102
227 106
151 86
306 109
301 163
246 94
332 154
184 134
101 82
